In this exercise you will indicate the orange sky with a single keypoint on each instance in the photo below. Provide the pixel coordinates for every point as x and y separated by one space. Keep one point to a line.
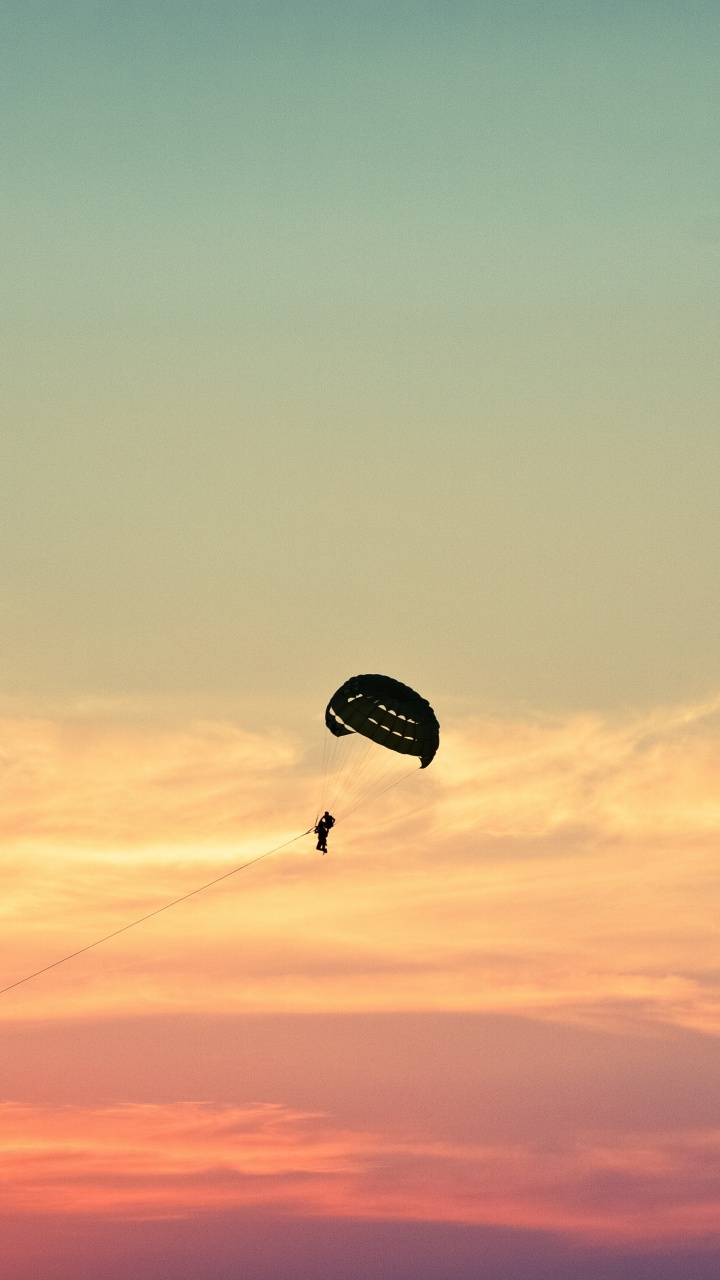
555 870
561 867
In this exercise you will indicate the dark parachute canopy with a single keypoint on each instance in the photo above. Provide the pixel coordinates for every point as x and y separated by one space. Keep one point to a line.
387 712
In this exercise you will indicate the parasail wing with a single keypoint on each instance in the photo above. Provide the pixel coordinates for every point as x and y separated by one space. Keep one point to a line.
388 712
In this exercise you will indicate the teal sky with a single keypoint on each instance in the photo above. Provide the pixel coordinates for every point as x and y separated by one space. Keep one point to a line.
354 336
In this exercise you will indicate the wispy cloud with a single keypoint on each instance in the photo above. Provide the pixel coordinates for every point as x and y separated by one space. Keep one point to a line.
145 1161
84 781
564 868
651 776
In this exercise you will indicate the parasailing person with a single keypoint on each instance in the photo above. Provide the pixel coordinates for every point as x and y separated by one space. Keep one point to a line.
322 829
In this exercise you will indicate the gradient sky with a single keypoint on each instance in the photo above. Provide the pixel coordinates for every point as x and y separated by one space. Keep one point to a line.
345 337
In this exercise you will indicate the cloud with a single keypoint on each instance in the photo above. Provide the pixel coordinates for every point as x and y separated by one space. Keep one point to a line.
558 868
174 1160
651 777
80 781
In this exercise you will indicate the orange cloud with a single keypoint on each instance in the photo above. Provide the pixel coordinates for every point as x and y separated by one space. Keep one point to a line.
652 777
154 1161
559 868
81 781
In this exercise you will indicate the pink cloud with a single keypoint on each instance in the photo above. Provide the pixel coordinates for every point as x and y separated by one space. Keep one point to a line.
162 1161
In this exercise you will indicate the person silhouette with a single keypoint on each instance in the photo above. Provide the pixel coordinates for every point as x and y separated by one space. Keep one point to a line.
321 830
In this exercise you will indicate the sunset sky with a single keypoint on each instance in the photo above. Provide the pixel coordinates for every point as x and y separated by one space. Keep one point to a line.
357 337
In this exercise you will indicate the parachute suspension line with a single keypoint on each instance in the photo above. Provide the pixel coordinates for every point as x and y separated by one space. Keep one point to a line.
338 758
324 771
375 772
372 766
332 752
380 791
158 911
356 759
346 761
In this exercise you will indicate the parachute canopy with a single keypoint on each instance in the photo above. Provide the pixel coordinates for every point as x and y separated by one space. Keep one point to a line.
387 712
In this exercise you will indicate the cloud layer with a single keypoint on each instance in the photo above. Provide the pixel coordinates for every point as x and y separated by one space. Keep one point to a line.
160 1161
567 869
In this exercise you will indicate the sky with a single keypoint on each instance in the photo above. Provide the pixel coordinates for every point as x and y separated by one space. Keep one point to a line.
340 338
